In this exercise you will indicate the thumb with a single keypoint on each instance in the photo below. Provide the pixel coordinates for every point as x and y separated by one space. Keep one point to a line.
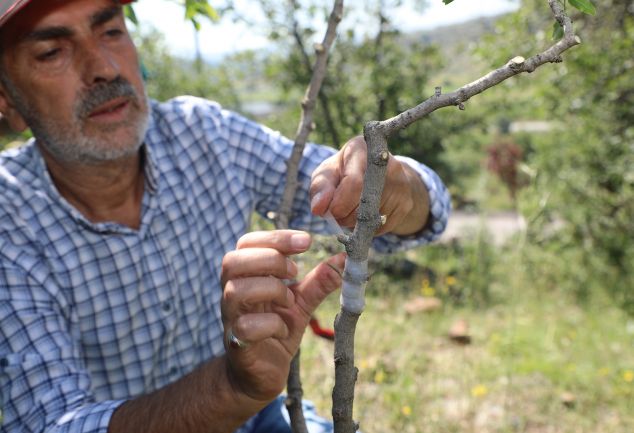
324 279
324 180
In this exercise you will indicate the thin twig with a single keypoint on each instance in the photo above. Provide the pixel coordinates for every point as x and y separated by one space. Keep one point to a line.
308 108
294 384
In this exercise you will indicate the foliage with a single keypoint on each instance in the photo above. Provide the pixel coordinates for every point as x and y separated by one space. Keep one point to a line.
583 176
357 88
194 10
168 76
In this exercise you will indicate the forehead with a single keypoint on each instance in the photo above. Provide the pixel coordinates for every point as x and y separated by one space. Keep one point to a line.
40 14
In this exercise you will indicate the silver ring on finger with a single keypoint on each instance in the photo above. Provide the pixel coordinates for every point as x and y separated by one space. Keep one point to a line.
234 342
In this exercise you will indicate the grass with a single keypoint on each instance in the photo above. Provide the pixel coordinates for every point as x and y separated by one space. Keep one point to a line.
539 362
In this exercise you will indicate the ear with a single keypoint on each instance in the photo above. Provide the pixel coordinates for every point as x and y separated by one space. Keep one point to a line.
8 111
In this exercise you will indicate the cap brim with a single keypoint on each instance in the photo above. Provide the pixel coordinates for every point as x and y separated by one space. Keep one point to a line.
7 11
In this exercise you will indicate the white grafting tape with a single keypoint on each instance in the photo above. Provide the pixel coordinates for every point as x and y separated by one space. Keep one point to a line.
355 278
333 224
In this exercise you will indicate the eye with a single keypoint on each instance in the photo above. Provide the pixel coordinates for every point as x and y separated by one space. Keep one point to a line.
114 32
49 55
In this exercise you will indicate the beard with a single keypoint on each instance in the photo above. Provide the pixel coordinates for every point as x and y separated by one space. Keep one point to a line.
73 143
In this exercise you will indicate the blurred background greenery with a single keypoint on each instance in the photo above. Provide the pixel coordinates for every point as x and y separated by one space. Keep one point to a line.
545 308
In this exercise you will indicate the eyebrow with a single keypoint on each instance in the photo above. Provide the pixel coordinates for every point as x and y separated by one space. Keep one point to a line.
104 16
57 32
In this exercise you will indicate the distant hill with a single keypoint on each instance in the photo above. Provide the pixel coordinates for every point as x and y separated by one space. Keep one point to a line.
456 43
455 34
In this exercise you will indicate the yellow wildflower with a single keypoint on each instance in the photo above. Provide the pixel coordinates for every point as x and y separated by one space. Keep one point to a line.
379 377
450 280
628 376
406 410
426 289
479 391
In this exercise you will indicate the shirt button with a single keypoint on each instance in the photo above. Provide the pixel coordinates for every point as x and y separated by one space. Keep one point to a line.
173 371
4 363
167 306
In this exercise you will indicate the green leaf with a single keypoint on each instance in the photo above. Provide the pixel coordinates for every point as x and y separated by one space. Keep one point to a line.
584 6
196 24
197 8
447 1
558 31
129 14
210 12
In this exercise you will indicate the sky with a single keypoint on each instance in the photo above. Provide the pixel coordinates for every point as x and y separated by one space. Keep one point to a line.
226 37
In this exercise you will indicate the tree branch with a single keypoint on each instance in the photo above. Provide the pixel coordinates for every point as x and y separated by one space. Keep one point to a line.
294 385
308 108
369 220
323 99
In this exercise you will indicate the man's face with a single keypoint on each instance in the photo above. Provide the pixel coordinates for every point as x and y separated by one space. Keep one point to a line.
71 73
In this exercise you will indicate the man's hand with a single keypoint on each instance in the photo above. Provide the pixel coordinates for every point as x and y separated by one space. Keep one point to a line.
337 183
264 313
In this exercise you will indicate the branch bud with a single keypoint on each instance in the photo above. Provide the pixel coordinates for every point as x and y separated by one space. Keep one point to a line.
319 48
438 91
517 62
461 106
344 239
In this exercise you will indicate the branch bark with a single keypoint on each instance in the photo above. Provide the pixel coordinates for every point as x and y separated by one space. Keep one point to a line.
323 99
308 108
376 134
294 385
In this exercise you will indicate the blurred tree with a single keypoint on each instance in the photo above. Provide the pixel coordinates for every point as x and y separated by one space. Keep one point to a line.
375 72
583 171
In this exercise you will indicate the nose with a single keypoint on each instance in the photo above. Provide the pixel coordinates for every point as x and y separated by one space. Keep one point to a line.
99 65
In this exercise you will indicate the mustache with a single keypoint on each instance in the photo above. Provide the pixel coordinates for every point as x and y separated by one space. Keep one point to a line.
104 92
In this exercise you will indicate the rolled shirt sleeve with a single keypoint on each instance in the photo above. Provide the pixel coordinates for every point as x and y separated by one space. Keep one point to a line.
44 386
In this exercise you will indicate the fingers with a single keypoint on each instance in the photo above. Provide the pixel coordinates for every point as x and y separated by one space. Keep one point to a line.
253 276
337 183
285 241
252 328
254 294
324 181
257 262
251 302
265 254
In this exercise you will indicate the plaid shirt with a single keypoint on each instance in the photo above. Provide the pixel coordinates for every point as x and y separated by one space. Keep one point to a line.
94 314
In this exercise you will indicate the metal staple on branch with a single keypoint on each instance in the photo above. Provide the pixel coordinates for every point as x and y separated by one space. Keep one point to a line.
294 385
357 245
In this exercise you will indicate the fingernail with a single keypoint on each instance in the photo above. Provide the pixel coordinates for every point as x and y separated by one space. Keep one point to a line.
315 200
300 241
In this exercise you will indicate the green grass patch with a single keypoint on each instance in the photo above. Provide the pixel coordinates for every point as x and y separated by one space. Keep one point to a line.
538 362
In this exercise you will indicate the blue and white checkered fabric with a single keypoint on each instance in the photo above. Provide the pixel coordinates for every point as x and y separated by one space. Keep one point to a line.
94 314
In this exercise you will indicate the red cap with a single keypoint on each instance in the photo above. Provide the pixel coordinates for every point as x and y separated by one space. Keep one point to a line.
8 8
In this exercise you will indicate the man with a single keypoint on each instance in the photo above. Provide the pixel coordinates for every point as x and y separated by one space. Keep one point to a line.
132 298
